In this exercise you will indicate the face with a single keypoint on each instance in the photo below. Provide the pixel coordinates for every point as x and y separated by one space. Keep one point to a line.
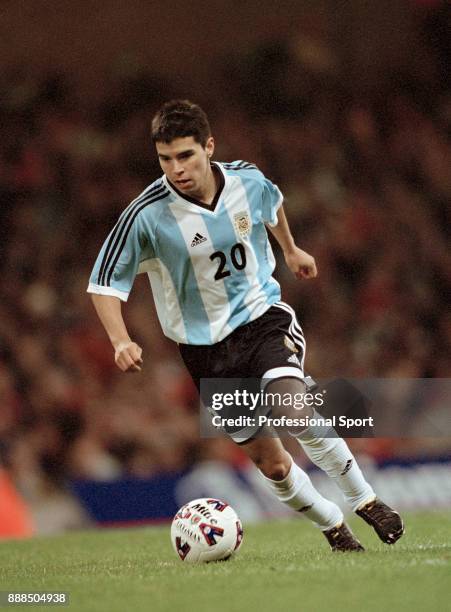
186 163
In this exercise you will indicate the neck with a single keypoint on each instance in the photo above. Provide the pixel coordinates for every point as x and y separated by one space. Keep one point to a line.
210 186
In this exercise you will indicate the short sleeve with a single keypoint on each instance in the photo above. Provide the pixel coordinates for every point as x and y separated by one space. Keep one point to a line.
272 200
120 256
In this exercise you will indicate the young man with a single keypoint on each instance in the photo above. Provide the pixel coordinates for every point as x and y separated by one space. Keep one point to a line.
199 232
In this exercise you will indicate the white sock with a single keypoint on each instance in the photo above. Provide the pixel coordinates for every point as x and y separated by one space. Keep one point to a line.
333 456
297 492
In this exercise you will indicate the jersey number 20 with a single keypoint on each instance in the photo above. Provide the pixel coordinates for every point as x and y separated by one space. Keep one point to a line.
237 256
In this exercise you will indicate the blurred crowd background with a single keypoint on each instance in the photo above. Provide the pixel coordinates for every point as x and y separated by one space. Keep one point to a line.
360 147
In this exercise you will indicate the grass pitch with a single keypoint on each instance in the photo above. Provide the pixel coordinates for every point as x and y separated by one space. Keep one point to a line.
284 566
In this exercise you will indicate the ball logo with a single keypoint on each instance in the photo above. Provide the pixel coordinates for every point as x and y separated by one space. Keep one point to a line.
182 549
183 513
210 533
218 504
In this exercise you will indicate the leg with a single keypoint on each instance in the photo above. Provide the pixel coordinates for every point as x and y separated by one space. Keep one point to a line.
332 455
293 487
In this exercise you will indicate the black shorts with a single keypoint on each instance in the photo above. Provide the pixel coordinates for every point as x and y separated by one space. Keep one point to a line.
270 347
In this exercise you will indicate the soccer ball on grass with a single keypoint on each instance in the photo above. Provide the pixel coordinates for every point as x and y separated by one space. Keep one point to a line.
206 530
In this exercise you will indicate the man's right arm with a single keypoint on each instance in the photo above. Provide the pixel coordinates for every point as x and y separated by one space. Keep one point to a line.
127 354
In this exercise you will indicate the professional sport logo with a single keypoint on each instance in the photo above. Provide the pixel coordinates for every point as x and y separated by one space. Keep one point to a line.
242 223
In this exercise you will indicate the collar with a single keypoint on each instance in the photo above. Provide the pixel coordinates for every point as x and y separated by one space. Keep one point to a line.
211 207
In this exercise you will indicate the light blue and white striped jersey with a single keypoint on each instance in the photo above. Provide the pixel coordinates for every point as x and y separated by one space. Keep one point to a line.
210 269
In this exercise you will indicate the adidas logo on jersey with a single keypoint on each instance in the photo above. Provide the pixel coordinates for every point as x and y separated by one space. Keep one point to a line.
198 239
293 359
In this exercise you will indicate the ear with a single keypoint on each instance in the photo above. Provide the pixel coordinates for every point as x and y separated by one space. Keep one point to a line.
210 146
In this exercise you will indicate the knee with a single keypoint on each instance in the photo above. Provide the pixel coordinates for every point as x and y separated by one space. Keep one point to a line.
275 469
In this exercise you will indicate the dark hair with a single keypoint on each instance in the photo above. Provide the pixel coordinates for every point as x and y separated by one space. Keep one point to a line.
180 118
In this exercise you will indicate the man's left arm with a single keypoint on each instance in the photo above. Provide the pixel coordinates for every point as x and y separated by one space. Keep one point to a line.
298 261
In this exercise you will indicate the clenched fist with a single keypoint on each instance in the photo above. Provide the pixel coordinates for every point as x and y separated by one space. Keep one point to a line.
128 356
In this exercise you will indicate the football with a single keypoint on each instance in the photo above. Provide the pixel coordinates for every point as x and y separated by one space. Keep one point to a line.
206 530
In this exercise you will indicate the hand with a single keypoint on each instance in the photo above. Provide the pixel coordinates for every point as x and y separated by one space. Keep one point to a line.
128 356
301 264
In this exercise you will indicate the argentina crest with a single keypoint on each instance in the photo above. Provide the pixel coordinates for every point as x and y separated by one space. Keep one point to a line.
242 223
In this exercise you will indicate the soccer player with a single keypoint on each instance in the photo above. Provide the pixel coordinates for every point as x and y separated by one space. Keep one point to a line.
199 231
